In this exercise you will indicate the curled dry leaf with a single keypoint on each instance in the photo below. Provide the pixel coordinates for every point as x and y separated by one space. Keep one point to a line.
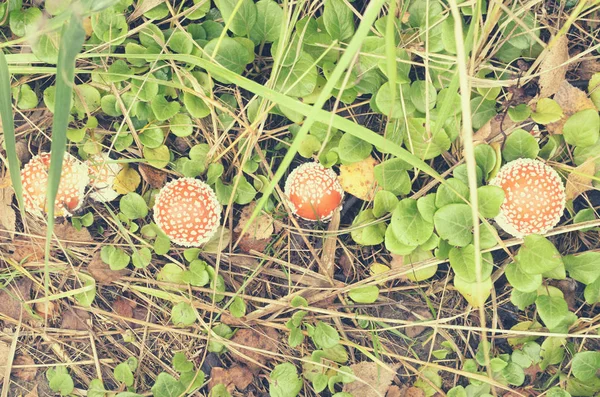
124 307
580 179
8 218
358 179
11 297
102 272
571 100
237 377
29 371
259 233
257 338
491 130
75 319
373 380
153 176
46 308
553 67
588 68
4 358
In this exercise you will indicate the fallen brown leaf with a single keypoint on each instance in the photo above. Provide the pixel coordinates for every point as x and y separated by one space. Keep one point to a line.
375 379
261 338
65 231
33 392
417 316
571 100
588 68
491 130
12 296
568 287
553 68
8 218
4 358
27 374
394 391
258 234
358 179
124 307
153 176
75 319
414 392
580 179
237 377
51 309
102 272
28 250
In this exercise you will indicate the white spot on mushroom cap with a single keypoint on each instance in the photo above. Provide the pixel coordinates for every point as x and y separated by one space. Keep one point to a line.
535 197
73 181
312 182
188 219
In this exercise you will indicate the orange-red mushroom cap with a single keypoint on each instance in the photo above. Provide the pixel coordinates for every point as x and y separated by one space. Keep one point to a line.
187 211
313 192
73 181
534 197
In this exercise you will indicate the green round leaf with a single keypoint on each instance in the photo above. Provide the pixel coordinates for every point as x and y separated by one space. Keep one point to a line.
520 144
462 261
423 95
163 109
133 206
183 314
366 294
547 111
408 225
181 125
582 128
489 199
454 223
538 255
520 280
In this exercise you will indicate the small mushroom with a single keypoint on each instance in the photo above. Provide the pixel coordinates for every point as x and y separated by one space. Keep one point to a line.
313 192
534 197
187 211
73 181
103 174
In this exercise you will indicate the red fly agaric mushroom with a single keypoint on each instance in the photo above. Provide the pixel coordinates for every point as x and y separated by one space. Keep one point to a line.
534 197
103 173
73 180
187 211
313 192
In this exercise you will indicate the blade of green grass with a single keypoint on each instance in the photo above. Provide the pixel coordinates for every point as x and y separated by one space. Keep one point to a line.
8 128
71 42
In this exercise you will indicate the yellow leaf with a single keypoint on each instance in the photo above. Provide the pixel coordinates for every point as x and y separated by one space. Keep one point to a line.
376 269
127 180
580 179
358 179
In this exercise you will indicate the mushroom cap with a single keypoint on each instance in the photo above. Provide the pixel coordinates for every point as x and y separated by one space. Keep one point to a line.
103 174
73 180
534 197
313 192
187 211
